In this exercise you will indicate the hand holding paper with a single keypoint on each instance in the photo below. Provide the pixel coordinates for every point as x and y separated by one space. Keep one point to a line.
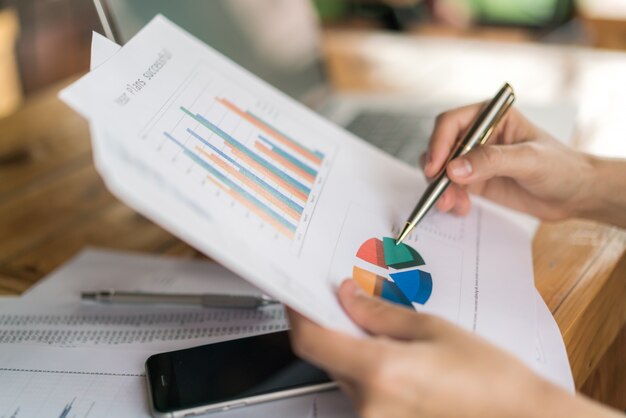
287 200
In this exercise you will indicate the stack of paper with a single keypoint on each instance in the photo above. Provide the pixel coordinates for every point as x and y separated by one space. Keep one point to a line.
289 202
59 354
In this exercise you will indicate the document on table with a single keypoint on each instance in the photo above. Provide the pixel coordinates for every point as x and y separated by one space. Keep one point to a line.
52 314
287 200
95 380
53 378
51 382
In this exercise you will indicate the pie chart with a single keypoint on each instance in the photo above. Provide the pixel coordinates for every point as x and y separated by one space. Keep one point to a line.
393 273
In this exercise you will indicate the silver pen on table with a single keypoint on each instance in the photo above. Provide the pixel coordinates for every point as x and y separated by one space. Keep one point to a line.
478 133
204 300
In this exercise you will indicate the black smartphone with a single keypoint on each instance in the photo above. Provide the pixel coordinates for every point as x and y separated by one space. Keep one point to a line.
229 374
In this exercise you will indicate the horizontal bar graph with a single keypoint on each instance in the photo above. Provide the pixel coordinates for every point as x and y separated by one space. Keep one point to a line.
66 411
293 213
266 171
272 154
294 161
247 173
276 178
239 193
285 230
233 143
313 156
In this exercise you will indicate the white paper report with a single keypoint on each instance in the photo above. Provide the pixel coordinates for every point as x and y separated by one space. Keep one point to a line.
286 199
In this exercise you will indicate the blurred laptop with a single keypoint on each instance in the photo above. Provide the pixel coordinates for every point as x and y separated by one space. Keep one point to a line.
279 41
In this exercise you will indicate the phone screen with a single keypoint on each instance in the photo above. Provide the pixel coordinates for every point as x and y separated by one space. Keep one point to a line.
228 371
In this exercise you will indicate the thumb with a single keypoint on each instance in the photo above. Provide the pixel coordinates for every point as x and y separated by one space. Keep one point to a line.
518 161
378 317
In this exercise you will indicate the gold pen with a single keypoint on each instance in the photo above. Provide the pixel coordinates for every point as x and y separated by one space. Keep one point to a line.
478 133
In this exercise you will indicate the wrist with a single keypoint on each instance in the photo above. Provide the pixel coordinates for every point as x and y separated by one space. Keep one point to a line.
561 404
602 198
544 399
583 201
547 400
556 402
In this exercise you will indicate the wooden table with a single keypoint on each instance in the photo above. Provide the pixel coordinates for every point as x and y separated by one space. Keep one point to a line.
53 204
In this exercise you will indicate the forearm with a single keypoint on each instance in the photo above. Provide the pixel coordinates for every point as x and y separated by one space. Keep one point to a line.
606 200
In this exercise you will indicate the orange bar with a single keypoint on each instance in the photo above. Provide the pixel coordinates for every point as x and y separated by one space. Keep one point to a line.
267 218
282 160
269 130
251 184
293 190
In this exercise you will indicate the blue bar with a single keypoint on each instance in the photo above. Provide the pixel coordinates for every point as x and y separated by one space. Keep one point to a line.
250 175
66 410
249 153
317 153
289 157
231 184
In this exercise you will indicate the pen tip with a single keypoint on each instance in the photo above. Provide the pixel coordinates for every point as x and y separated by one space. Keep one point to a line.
407 229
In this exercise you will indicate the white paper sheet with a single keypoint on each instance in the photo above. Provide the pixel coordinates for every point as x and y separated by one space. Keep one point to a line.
99 269
101 50
105 376
169 181
110 383
551 356
49 382
52 314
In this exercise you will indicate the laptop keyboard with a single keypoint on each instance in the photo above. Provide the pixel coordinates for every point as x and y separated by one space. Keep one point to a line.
404 135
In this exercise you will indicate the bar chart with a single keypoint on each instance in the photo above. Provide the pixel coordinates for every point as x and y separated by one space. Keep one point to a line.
245 151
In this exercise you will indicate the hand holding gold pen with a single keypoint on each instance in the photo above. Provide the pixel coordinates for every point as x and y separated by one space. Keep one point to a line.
477 134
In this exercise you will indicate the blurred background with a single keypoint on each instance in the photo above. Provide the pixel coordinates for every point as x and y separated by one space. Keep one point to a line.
45 41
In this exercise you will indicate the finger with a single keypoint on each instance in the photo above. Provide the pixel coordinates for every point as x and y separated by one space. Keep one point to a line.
383 318
336 352
462 203
518 161
454 200
448 198
423 159
448 128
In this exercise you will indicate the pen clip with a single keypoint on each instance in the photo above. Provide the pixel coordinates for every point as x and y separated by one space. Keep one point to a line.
462 146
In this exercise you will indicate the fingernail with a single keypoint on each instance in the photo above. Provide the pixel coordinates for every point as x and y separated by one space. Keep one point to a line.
461 167
429 161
